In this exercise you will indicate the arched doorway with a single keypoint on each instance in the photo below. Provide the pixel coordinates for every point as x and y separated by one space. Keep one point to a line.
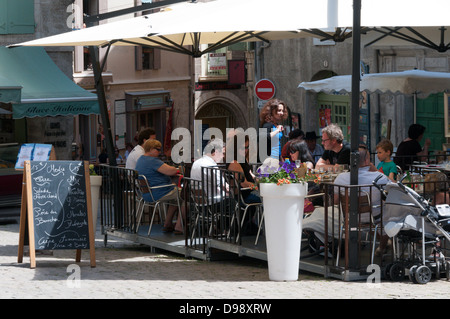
216 115
221 111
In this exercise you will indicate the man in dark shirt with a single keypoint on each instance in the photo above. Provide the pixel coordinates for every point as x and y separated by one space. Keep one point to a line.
336 150
409 150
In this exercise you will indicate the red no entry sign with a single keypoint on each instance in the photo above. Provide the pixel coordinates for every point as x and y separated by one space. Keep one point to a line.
265 89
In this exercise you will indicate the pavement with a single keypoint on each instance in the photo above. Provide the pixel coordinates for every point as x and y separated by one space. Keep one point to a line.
126 270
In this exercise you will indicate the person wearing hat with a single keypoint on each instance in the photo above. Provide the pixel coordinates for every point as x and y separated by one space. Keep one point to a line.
316 150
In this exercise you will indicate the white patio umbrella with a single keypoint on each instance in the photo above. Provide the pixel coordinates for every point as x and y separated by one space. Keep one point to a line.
432 37
224 22
405 82
218 23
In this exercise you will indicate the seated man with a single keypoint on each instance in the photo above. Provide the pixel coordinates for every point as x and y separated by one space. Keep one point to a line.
365 177
315 222
138 150
158 173
336 150
212 155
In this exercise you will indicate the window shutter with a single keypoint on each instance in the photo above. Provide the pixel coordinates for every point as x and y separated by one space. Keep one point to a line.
138 58
19 16
3 17
156 59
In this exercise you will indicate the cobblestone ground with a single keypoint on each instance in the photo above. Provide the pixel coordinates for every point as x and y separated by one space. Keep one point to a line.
127 270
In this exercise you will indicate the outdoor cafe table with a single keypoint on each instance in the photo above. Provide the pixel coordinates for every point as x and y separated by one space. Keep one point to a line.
432 167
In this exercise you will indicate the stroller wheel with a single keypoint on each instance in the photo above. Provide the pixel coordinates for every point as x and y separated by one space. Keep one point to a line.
412 274
423 274
397 272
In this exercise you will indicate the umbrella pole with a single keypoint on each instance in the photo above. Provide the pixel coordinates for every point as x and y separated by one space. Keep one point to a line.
352 252
102 105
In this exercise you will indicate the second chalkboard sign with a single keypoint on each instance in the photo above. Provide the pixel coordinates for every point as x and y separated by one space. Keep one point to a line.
59 205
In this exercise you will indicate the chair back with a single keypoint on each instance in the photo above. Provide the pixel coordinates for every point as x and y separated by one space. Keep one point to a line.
144 187
364 203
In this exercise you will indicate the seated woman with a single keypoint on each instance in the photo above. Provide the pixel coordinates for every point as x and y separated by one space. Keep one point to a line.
299 151
158 173
241 153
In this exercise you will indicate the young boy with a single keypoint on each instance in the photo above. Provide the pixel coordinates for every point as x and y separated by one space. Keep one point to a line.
386 165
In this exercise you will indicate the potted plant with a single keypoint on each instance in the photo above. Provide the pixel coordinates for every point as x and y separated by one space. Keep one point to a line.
283 189
96 182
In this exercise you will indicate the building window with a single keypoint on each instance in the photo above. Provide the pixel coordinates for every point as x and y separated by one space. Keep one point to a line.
334 109
148 58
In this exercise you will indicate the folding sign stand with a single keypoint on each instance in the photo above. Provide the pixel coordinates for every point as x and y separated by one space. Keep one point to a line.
56 210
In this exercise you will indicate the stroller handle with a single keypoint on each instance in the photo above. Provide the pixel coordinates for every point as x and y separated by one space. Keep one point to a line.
375 183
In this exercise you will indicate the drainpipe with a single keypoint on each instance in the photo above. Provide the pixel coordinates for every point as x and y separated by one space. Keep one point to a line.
259 70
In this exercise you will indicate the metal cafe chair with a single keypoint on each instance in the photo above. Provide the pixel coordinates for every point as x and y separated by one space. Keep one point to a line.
144 188
241 205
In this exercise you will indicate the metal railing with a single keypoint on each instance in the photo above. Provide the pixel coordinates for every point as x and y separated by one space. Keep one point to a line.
339 247
212 207
118 198
213 212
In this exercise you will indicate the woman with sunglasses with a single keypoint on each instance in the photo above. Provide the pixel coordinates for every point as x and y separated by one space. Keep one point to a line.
159 173
299 151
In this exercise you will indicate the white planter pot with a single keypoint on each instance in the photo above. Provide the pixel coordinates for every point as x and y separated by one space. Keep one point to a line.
96 182
283 214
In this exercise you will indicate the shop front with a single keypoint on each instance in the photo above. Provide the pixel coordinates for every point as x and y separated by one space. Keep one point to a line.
145 109
44 112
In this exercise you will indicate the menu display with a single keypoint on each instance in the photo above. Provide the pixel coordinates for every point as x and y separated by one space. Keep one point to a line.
56 208
59 205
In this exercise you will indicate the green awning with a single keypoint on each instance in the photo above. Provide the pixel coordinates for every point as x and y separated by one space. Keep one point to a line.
9 90
46 90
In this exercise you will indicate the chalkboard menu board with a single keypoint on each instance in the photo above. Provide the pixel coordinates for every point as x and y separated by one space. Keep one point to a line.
59 205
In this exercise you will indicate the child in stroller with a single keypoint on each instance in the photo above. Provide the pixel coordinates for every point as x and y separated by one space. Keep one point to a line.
410 220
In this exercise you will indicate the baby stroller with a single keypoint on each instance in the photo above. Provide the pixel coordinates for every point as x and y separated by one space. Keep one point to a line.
415 226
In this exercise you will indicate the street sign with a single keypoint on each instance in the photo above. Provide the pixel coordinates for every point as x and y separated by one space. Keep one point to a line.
265 89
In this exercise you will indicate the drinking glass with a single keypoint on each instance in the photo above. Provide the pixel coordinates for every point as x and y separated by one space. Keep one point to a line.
297 163
345 168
